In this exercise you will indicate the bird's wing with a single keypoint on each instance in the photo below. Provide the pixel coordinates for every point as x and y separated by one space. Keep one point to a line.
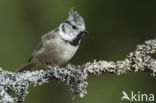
36 49
50 35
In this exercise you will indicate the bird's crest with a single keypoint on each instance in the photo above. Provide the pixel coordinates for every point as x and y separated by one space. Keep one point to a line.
74 16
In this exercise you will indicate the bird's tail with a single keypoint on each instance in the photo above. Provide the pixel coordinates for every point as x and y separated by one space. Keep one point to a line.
27 66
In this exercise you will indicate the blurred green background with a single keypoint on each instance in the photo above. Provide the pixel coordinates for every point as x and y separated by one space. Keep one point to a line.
115 28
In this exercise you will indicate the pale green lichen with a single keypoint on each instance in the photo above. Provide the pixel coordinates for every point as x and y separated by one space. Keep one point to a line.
75 76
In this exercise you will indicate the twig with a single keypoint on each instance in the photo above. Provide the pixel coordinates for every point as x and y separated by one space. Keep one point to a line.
75 76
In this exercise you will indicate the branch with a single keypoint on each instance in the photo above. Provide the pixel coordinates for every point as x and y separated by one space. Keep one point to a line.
75 76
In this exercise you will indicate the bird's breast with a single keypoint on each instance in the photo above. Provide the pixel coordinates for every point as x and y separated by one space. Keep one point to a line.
57 52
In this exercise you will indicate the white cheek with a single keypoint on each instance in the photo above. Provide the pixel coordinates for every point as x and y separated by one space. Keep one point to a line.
66 36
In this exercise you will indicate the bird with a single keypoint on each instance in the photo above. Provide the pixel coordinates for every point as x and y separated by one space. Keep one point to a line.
58 46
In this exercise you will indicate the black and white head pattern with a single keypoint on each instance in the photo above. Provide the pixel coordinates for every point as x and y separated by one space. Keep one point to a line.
73 28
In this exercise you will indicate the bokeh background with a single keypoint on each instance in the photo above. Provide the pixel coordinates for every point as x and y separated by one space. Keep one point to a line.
115 28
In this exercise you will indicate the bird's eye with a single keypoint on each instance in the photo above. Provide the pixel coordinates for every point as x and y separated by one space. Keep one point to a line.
63 28
74 27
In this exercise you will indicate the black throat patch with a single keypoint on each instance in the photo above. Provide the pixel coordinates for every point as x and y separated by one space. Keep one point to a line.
76 40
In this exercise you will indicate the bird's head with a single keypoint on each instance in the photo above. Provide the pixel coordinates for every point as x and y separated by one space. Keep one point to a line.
73 26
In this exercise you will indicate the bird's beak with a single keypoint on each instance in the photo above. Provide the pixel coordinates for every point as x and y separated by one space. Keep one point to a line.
85 32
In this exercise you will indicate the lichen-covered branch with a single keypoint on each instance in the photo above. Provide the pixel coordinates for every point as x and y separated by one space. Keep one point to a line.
75 76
